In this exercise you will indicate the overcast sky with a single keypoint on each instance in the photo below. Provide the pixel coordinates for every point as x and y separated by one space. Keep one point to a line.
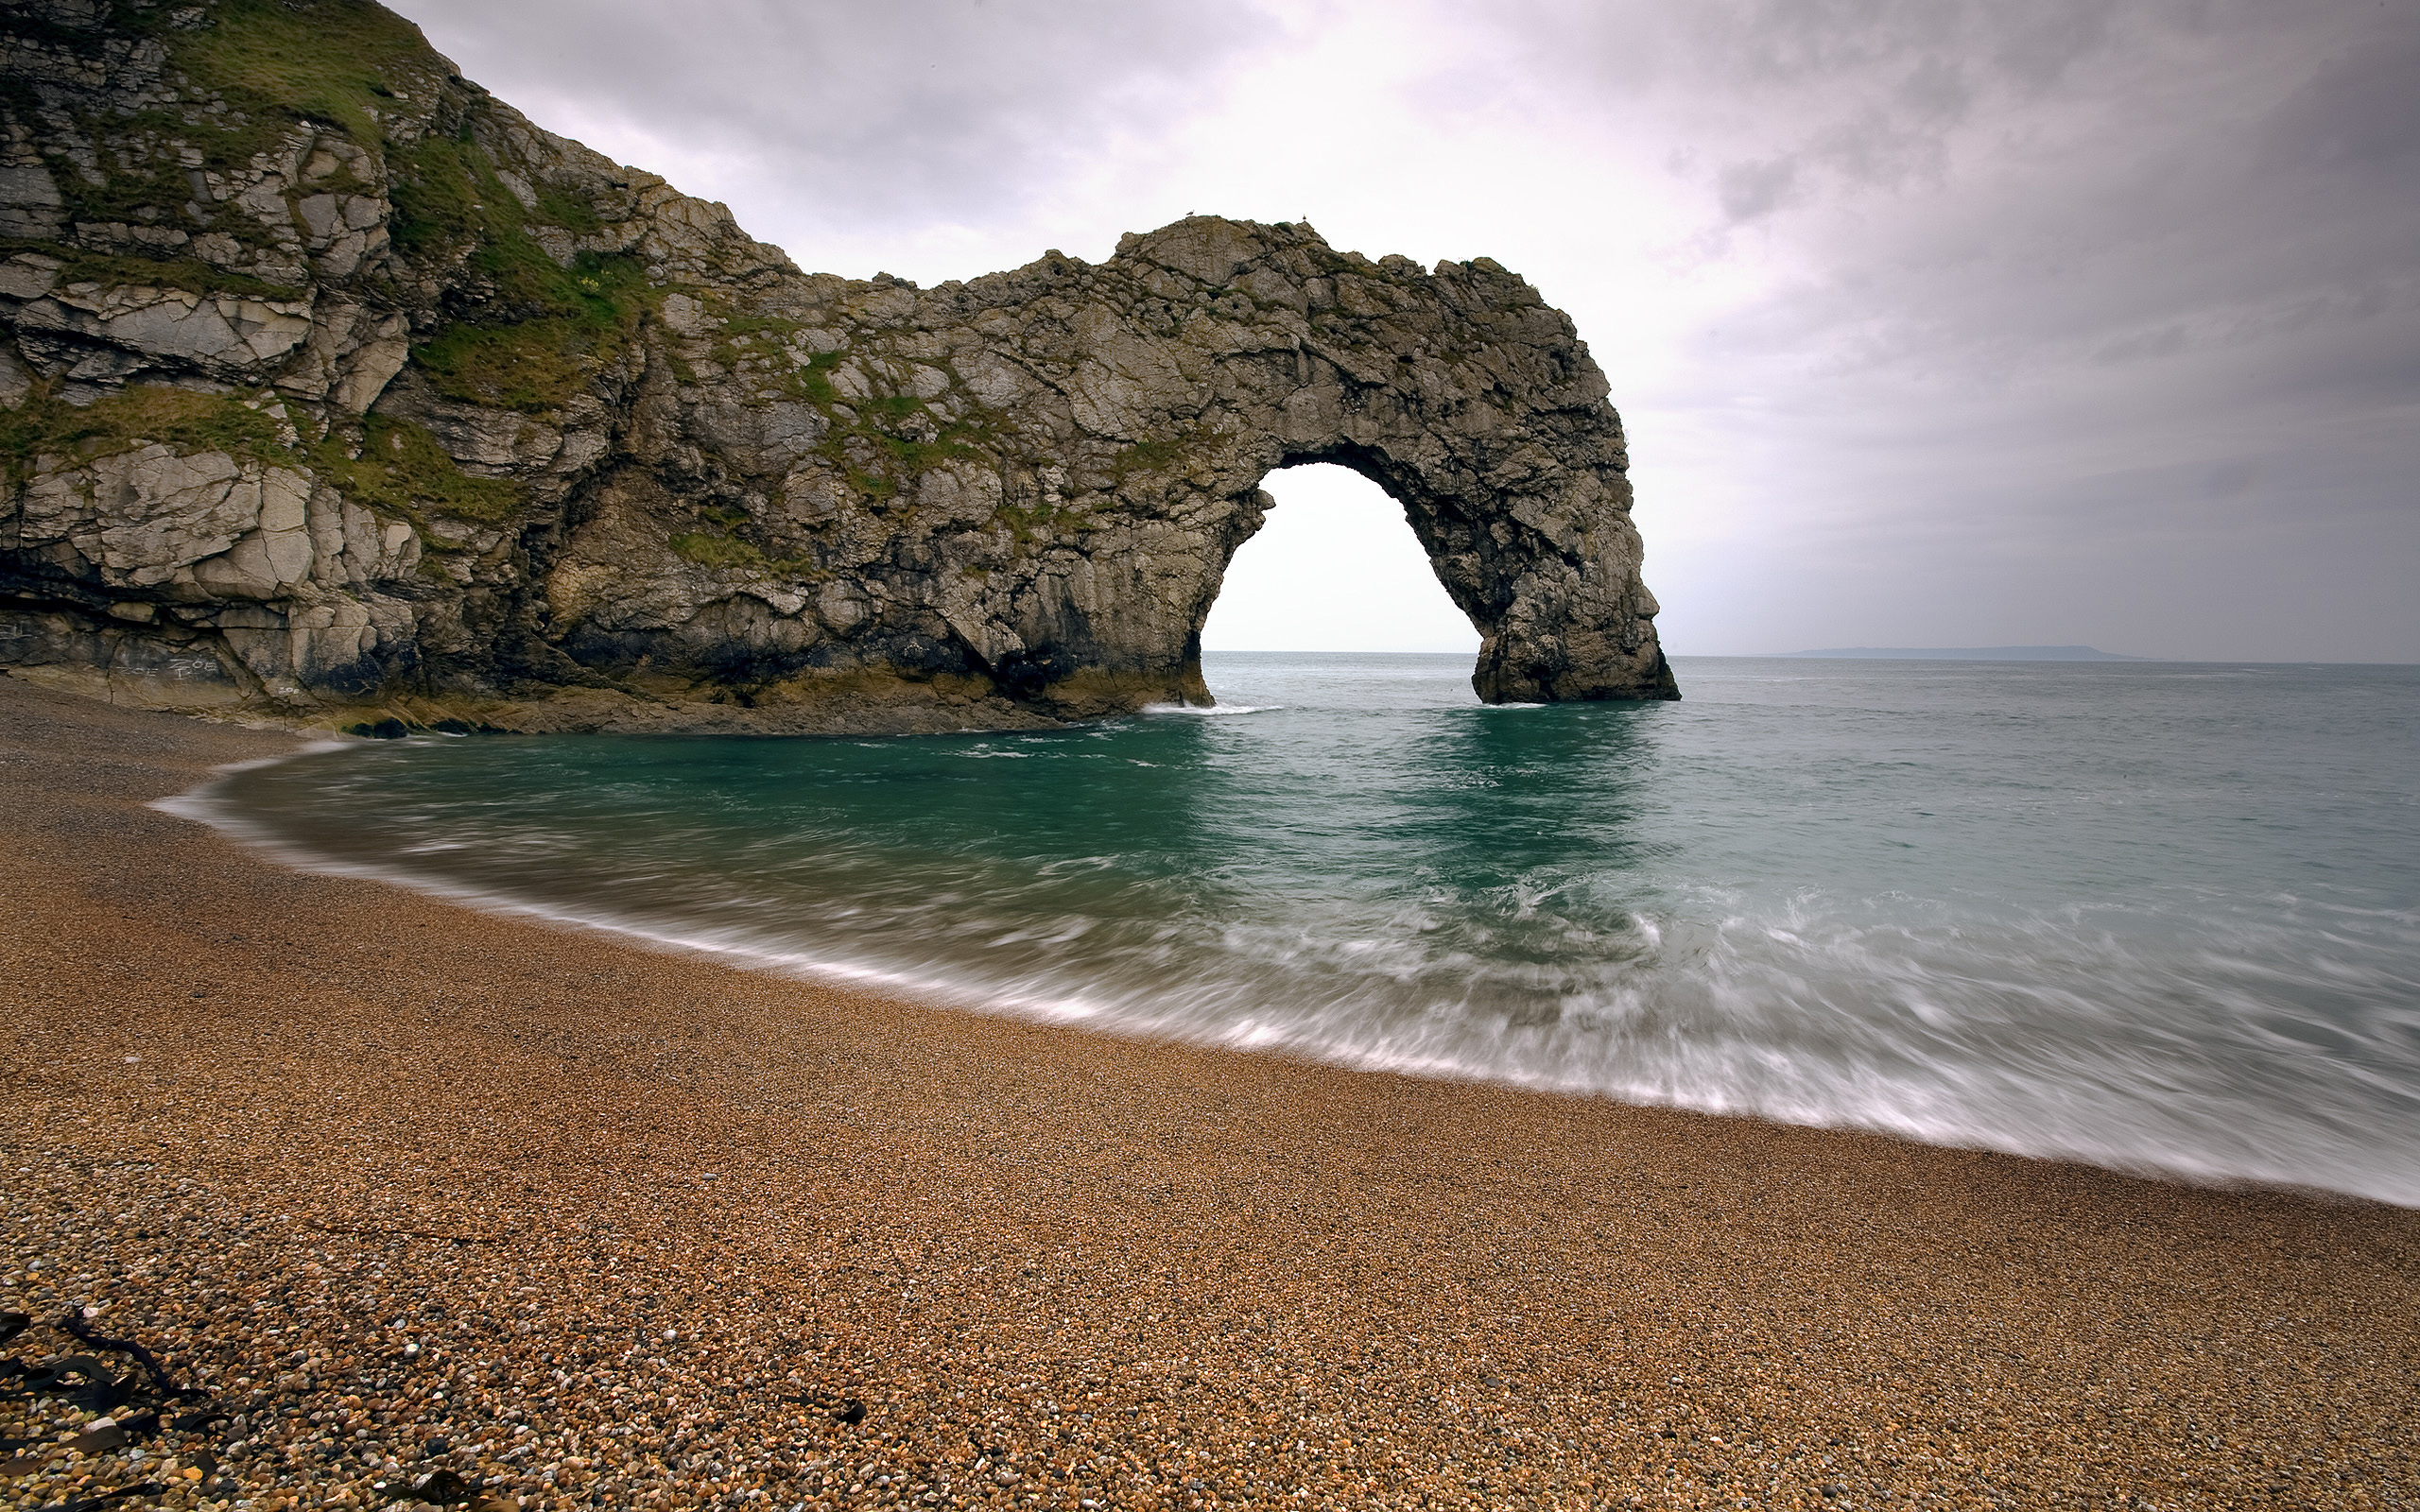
1933 323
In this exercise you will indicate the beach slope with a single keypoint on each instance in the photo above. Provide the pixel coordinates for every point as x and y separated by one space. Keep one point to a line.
415 1187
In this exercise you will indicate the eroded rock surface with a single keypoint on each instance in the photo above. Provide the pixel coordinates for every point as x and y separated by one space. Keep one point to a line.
389 401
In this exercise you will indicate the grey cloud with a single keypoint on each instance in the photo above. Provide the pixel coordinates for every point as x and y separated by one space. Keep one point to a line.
2357 112
2037 43
1767 45
1749 190
2120 294
1935 90
852 114
1859 89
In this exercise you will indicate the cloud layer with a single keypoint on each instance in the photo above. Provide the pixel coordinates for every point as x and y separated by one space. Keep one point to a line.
1933 322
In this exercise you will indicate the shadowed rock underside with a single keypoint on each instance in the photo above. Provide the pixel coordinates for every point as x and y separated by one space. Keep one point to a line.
335 390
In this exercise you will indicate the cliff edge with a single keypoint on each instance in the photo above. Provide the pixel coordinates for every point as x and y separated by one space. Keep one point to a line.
335 390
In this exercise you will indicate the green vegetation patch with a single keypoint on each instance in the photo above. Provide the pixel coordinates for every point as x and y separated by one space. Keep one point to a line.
885 461
534 368
720 546
812 381
282 62
1149 457
446 195
560 207
708 549
81 267
716 548
1023 525
448 199
178 419
539 328
536 364
535 329
741 331
402 471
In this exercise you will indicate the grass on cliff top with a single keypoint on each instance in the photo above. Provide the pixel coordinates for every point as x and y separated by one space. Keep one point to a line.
178 419
281 61
275 67
528 328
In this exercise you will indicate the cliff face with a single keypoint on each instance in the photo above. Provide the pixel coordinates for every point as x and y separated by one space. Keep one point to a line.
336 390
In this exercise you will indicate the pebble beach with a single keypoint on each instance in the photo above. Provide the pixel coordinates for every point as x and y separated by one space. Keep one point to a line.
416 1203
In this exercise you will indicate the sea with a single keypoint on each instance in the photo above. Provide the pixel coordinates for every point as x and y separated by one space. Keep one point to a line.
2161 917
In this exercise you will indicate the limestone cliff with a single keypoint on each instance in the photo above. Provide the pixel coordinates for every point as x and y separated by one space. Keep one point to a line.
336 390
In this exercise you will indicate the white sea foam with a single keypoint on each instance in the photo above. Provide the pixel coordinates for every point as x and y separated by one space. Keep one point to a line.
197 803
1431 900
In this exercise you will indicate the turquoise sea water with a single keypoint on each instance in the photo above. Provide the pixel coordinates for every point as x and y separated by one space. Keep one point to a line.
2157 916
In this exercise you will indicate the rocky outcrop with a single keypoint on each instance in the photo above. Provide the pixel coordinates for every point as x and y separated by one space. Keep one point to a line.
371 399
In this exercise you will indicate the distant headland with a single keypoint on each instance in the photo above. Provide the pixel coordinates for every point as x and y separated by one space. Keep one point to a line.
1968 653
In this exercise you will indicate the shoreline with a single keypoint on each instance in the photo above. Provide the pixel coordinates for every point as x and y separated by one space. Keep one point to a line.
1104 1267
2174 1134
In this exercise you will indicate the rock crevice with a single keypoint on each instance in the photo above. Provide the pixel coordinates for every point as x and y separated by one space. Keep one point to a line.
389 401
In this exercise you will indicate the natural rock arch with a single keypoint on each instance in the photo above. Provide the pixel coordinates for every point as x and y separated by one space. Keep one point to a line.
462 422
1459 392
1127 414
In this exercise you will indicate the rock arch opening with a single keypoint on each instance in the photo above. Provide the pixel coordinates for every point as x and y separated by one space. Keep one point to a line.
1334 567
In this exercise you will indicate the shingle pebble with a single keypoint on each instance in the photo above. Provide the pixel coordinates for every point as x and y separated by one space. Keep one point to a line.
415 1191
